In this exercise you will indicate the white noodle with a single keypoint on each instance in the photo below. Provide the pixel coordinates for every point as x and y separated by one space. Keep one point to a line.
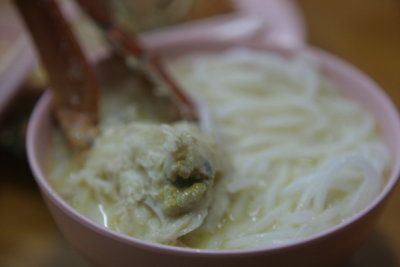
304 157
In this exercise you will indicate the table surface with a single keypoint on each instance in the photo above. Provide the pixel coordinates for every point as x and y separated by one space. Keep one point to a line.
363 32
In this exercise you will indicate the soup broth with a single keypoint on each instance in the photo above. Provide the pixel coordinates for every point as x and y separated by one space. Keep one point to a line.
294 156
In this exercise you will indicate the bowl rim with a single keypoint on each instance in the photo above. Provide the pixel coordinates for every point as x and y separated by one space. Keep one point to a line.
324 58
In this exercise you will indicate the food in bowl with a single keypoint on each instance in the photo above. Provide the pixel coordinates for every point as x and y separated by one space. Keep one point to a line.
141 177
300 158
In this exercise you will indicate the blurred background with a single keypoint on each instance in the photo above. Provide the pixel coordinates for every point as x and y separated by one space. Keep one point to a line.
365 33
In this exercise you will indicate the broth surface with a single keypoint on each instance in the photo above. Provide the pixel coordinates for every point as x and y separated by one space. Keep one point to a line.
300 157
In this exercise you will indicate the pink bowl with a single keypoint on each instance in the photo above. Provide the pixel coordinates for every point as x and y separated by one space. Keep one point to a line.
103 247
17 56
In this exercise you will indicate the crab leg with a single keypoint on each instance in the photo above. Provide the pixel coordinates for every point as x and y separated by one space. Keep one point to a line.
71 77
132 50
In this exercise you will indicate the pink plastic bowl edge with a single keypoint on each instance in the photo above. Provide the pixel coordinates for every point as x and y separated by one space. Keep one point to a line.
370 96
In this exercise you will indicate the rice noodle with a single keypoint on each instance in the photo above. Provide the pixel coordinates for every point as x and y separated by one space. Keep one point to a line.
305 157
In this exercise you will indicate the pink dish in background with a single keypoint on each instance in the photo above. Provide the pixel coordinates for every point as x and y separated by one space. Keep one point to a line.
17 56
272 21
103 247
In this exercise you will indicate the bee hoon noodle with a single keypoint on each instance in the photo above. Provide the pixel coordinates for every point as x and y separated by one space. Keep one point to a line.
305 157
294 158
